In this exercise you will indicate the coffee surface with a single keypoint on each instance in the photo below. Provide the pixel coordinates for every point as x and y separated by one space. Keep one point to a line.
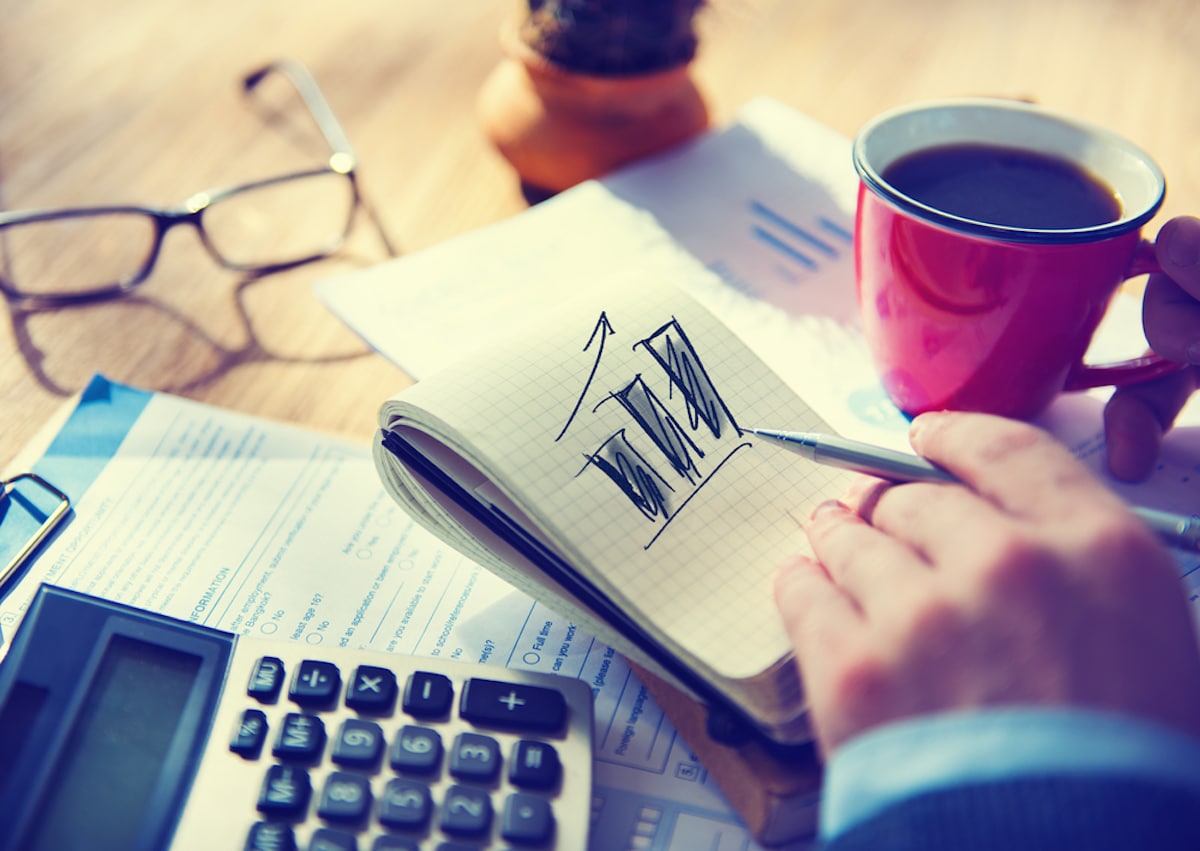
1005 186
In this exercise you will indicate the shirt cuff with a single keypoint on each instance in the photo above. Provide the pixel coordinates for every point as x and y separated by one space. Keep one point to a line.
897 761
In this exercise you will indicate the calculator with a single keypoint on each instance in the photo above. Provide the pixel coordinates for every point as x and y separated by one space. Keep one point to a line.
126 729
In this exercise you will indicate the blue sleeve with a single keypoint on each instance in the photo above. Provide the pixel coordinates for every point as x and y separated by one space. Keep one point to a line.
964 768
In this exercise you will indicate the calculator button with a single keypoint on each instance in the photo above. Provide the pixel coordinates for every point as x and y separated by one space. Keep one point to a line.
249 734
474 757
405 804
301 737
315 683
428 695
345 797
534 765
512 705
358 743
527 818
270 836
285 791
394 843
466 811
266 679
371 689
324 839
416 749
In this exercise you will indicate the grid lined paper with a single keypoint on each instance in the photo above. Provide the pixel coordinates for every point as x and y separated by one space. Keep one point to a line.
688 531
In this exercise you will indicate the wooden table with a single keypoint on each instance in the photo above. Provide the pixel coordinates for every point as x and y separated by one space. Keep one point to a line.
138 101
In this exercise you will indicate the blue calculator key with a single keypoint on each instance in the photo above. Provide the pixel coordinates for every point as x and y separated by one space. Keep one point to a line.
466 811
512 705
301 737
388 842
372 690
270 836
266 679
406 804
324 839
285 791
428 695
416 749
345 797
249 734
534 765
315 683
474 757
527 819
358 743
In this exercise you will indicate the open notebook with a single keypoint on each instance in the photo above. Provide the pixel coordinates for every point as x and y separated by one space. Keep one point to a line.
598 459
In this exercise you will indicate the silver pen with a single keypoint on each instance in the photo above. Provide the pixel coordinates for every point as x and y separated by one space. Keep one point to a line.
1177 530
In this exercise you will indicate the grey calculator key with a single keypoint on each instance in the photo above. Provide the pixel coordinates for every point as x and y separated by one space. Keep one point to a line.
417 749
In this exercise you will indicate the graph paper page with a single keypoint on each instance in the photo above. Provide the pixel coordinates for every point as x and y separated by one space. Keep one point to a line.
619 423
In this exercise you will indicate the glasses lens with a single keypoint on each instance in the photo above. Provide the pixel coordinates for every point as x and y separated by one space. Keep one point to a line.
281 221
75 254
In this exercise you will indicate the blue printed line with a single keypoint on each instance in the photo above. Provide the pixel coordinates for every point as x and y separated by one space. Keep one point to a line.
792 228
779 245
836 229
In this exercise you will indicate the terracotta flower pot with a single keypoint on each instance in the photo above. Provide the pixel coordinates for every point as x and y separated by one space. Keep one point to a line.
558 127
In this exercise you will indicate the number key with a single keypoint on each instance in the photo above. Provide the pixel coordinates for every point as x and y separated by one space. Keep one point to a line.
474 757
417 749
345 797
466 811
358 743
405 804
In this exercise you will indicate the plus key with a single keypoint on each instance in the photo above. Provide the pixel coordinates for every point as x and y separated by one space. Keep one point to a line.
500 704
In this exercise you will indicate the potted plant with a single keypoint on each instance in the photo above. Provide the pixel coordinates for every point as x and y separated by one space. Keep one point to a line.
589 85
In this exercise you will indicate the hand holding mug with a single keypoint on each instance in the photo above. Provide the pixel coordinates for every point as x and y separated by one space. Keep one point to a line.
1137 416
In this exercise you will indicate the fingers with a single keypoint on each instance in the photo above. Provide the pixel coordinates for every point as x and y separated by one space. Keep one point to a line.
947 526
815 613
1171 318
871 568
1177 249
1171 305
1018 467
1136 417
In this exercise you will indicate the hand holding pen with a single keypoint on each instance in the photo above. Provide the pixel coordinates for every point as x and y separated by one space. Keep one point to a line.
1176 530
1032 585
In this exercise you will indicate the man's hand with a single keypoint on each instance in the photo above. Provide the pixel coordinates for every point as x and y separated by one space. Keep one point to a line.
1032 584
1137 416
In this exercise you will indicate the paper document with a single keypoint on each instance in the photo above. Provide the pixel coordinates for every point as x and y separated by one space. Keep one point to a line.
756 219
263 529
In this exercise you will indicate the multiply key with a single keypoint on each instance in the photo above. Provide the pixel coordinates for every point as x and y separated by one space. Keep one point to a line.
526 707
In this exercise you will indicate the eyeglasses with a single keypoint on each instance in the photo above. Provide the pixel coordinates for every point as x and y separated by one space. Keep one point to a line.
62 256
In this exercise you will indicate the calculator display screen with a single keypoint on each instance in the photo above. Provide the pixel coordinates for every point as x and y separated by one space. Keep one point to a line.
106 778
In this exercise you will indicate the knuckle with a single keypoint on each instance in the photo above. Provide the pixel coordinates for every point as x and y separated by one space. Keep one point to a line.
861 682
1018 564
933 624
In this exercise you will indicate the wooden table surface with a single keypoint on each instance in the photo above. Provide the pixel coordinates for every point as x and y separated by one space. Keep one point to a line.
138 101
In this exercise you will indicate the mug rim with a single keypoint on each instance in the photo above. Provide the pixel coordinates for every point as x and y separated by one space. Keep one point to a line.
1129 221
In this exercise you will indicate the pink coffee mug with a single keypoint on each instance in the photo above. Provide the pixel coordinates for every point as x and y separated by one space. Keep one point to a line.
960 312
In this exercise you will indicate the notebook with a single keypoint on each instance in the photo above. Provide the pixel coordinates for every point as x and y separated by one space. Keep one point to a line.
598 458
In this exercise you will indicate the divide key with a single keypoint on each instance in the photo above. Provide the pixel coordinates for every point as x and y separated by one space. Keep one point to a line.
500 704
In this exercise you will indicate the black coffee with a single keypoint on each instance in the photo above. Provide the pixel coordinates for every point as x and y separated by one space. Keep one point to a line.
1004 186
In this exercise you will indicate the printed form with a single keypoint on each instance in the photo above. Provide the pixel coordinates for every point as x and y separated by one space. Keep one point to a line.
263 529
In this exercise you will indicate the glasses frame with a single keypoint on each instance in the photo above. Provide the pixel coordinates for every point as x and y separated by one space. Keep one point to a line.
341 161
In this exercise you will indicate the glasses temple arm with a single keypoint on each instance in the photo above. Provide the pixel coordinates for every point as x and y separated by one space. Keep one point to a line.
313 98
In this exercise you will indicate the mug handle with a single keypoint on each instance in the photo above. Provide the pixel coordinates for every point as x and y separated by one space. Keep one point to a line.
1134 370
